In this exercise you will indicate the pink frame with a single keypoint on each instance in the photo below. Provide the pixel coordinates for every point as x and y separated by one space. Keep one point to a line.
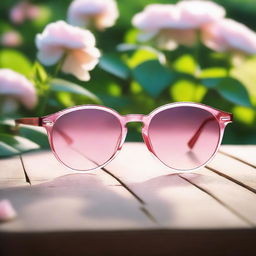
223 118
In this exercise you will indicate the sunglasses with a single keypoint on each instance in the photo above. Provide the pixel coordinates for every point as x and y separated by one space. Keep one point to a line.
184 136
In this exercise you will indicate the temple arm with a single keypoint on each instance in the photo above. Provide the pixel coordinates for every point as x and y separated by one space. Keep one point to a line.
36 121
197 134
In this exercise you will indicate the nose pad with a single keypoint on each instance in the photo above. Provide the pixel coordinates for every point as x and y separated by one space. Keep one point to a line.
146 139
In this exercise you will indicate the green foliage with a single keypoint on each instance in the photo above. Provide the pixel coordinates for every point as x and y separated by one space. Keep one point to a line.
60 85
153 77
187 90
35 134
246 74
229 88
186 64
10 145
232 90
131 76
16 61
114 65
244 114
140 55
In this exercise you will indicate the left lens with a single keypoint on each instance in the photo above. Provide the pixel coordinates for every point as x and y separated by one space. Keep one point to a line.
87 138
184 137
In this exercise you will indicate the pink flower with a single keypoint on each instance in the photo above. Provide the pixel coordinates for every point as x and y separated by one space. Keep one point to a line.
33 12
22 11
176 24
229 35
102 13
16 87
77 46
17 13
6 211
11 39
194 14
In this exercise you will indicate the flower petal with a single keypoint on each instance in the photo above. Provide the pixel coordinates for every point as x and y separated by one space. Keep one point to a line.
78 63
60 38
15 85
7 212
102 13
50 55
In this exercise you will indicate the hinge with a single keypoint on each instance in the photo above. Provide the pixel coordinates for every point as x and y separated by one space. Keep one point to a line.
48 122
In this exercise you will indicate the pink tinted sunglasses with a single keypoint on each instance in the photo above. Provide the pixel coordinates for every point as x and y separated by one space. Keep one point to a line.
184 136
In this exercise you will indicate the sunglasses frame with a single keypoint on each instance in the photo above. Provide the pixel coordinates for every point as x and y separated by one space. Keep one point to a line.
223 118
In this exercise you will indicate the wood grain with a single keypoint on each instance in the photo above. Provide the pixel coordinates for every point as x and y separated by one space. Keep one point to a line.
12 172
230 168
175 202
246 155
135 198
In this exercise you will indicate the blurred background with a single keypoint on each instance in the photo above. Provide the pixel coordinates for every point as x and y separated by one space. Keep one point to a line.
121 82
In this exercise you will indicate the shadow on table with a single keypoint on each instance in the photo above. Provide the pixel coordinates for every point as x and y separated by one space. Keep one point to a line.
82 201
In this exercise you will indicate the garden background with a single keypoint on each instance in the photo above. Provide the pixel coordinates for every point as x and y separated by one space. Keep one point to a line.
130 77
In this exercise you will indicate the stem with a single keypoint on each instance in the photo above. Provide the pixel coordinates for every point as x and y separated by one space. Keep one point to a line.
229 64
44 101
47 88
59 66
197 54
197 59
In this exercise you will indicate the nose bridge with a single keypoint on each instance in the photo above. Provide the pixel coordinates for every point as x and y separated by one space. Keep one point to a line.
134 118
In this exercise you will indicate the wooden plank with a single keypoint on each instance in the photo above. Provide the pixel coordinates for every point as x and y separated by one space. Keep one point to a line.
238 199
173 201
101 217
11 172
234 170
72 203
55 188
42 166
245 153
11 169
97 201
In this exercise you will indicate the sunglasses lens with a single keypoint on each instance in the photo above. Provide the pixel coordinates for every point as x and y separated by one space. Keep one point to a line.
87 138
184 138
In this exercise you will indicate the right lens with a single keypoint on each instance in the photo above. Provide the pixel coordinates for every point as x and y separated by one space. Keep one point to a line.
86 138
184 137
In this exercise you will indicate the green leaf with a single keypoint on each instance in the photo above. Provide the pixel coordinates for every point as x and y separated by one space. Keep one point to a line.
112 64
7 121
123 47
153 77
16 144
114 89
6 150
117 103
230 89
39 72
131 36
35 134
244 114
214 72
60 85
186 64
187 90
247 75
141 55
211 82
16 61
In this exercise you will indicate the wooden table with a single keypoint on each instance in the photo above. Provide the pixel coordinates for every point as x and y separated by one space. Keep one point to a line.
133 207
